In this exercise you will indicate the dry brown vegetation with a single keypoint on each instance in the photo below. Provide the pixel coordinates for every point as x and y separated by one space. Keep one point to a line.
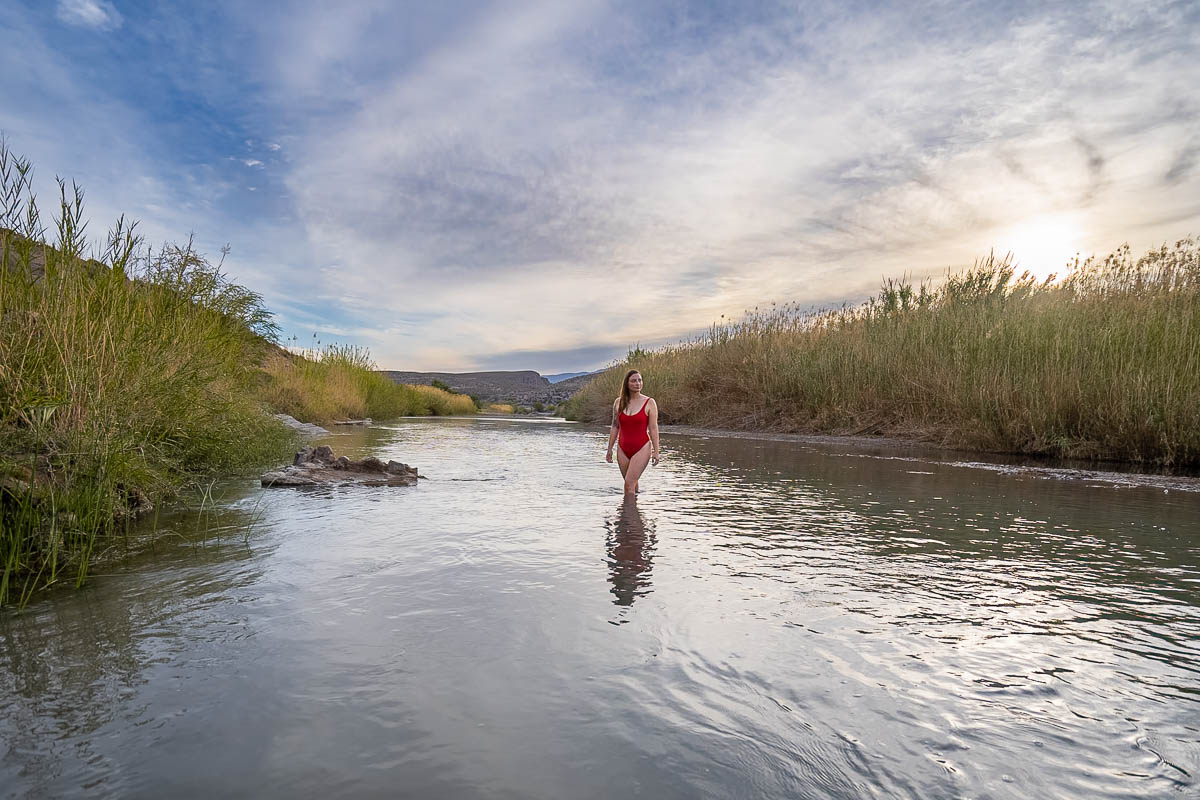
1104 364
341 382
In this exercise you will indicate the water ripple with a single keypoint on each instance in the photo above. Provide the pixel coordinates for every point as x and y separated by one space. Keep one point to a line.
768 619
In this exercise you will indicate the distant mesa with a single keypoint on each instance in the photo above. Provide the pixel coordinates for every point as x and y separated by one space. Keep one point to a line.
524 387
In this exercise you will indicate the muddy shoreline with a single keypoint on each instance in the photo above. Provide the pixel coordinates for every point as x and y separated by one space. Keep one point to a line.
969 459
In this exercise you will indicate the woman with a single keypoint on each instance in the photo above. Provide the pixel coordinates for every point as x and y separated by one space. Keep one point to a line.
635 423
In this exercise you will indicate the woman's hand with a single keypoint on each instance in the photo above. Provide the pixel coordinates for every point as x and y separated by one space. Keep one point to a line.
608 456
654 459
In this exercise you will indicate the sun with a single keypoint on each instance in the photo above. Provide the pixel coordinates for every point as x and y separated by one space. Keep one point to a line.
1042 245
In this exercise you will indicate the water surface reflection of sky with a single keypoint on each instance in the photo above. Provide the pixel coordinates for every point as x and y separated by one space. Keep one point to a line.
789 621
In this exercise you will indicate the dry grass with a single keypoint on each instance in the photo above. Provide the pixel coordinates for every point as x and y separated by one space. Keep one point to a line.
443 403
1102 365
342 383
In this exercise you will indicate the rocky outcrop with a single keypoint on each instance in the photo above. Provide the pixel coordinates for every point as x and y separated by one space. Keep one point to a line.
305 429
10 252
320 467
563 390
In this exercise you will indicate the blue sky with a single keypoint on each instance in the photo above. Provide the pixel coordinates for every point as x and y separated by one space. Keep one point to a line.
540 185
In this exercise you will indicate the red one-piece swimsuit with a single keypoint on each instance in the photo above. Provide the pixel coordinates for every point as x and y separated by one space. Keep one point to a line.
633 431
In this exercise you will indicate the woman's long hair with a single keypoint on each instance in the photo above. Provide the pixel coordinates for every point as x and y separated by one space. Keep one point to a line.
623 398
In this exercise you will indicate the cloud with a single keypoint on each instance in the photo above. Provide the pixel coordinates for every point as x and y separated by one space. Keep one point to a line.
482 183
98 15
633 181
1184 163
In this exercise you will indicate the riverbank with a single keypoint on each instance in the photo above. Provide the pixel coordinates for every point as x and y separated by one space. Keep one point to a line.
343 382
1102 366
787 617
126 379
894 449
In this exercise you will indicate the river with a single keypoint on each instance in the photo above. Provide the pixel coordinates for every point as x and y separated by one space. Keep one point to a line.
767 619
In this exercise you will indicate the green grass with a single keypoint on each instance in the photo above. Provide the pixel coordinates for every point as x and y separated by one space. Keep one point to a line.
128 376
1103 365
122 379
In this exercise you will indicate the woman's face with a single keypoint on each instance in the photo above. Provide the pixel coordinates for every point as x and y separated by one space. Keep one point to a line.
635 382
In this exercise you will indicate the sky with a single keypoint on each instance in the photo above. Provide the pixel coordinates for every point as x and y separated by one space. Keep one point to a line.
469 185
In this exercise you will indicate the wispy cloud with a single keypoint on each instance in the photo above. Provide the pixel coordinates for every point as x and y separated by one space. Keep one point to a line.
479 184
98 15
794 157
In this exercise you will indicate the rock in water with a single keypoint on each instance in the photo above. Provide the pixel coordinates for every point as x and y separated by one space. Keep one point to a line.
305 429
318 466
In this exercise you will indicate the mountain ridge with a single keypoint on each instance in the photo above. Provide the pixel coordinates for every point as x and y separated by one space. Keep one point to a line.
522 387
558 377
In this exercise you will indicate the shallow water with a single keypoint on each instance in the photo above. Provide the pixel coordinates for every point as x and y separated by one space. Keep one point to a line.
769 619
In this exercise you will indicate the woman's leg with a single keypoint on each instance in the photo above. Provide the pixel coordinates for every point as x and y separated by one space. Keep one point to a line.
622 461
637 465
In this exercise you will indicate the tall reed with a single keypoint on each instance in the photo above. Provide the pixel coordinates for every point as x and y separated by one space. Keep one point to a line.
125 376
121 378
1103 365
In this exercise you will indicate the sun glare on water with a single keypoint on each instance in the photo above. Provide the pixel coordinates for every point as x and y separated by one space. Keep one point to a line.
1042 246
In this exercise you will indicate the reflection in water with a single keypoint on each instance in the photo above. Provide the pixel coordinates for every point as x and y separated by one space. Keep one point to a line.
630 548
68 663
824 624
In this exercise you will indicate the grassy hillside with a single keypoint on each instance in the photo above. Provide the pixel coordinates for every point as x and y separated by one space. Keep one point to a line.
343 383
1102 365
127 376
115 389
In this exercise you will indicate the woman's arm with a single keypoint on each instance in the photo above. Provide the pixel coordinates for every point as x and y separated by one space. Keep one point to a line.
613 430
653 413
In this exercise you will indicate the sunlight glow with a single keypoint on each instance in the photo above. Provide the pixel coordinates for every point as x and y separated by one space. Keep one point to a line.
1042 245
